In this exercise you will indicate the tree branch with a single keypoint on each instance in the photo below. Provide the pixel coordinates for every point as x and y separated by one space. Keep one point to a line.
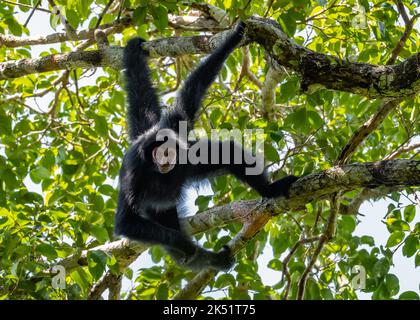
365 130
332 72
396 51
315 69
401 10
268 91
13 42
108 281
254 222
255 213
328 233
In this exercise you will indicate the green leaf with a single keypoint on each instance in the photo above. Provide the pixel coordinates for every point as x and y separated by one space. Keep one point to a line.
83 7
101 126
128 273
162 292
367 240
315 120
298 120
288 23
280 244
160 17
96 263
280 4
271 153
99 233
395 238
47 251
409 213
69 167
410 245
107 190
52 197
6 123
348 223
227 4
289 89
139 15
225 280
381 267
81 278
39 173
398 225
215 116
14 27
72 18
275 264
48 160
409 295
392 283
202 202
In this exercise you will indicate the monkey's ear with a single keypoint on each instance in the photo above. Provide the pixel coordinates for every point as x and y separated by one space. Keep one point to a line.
154 154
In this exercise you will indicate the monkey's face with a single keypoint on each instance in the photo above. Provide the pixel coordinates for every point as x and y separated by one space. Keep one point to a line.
164 158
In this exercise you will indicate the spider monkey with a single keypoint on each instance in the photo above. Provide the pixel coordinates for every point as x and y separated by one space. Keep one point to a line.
151 179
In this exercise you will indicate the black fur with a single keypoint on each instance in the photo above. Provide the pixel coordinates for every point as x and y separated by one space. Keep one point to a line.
146 209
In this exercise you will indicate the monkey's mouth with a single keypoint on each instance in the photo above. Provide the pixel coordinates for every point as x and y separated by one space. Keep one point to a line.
165 168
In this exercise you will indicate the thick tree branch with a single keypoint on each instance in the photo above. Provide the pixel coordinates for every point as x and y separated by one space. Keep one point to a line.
315 69
311 187
253 223
334 73
13 42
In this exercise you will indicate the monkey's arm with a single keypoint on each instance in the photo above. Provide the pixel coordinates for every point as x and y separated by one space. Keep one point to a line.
232 158
197 83
143 104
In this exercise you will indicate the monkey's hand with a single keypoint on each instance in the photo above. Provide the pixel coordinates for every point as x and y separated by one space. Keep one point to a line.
135 46
222 260
240 29
281 187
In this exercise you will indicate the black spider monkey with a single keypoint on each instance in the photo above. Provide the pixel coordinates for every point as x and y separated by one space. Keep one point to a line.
151 187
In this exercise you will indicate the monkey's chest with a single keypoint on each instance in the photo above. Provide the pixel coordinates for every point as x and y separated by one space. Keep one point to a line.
163 195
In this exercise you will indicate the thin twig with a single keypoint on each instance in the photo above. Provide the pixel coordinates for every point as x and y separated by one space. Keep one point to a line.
401 10
25 6
324 238
365 130
286 261
32 13
332 5
103 13
408 29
